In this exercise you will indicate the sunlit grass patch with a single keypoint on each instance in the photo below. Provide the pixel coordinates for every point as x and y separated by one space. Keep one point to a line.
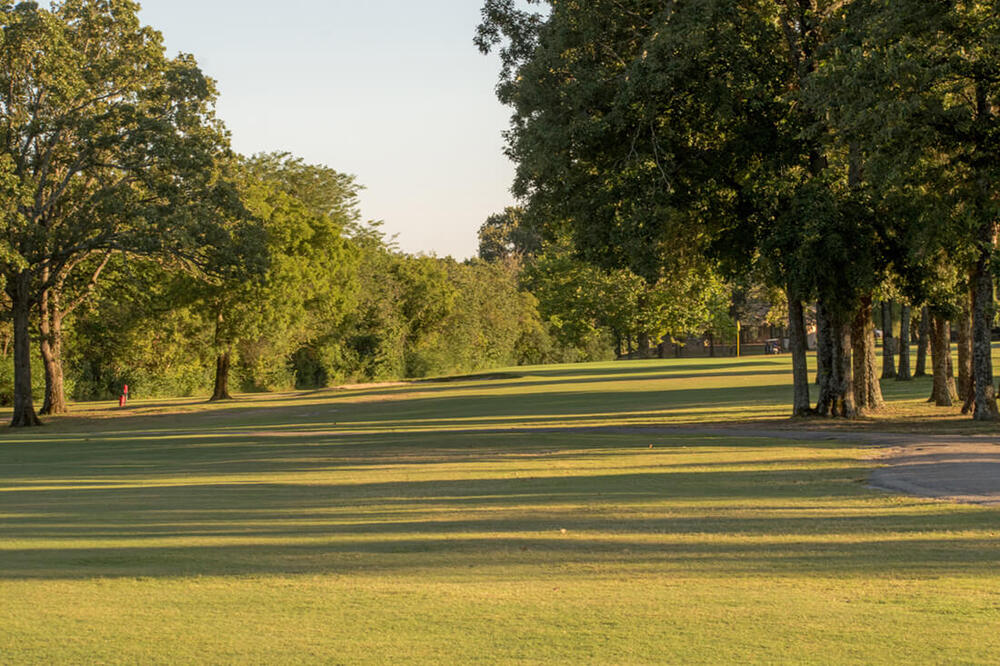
485 520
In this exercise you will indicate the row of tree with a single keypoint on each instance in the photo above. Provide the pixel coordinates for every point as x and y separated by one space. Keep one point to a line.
585 305
136 247
835 150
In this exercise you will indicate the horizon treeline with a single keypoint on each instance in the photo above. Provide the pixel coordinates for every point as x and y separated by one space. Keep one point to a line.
136 247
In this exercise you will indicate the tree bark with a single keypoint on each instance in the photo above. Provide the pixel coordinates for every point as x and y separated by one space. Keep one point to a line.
820 342
837 389
965 386
221 391
644 350
888 343
24 407
50 344
222 363
824 352
53 312
943 391
867 389
801 405
923 343
903 375
982 323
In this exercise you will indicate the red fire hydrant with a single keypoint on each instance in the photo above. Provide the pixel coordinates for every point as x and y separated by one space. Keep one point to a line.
121 400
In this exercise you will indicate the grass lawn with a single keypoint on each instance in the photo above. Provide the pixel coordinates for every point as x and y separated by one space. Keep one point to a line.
485 520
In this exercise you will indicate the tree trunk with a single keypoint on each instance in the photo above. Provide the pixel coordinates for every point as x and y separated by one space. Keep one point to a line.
53 311
904 346
824 351
888 344
982 324
711 345
837 390
867 389
644 351
801 405
943 391
24 406
222 362
969 403
50 344
820 342
923 343
221 391
965 387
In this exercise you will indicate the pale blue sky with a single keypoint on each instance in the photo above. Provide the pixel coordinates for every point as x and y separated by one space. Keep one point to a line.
391 91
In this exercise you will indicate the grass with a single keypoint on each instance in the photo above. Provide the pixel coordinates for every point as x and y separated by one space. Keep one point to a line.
487 520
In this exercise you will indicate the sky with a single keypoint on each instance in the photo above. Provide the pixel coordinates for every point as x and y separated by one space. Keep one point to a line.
392 91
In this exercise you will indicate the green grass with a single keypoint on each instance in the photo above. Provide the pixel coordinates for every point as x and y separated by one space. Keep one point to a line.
484 521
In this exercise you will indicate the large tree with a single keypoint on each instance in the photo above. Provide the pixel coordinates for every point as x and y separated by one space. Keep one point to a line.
305 211
105 144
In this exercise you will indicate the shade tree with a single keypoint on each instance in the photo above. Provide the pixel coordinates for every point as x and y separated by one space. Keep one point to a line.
105 144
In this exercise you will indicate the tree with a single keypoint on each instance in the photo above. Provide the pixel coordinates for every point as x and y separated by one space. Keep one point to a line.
105 144
506 235
305 211
904 374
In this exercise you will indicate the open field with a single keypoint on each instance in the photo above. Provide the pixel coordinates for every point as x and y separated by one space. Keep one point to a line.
493 519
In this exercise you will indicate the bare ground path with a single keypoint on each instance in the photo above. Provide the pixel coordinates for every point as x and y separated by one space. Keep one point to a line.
958 468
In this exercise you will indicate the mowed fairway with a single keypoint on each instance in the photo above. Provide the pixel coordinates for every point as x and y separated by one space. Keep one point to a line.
513 518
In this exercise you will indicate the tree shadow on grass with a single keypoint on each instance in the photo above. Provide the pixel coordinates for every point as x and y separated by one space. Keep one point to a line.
538 386
781 520
458 411
70 461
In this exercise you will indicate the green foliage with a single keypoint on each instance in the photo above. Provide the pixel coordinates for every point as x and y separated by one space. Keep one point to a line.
106 143
305 211
140 330
507 235
915 83
419 316
585 305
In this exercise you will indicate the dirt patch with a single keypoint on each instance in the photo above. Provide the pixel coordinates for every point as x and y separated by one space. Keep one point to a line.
372 385
966 471
432 380
489 376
